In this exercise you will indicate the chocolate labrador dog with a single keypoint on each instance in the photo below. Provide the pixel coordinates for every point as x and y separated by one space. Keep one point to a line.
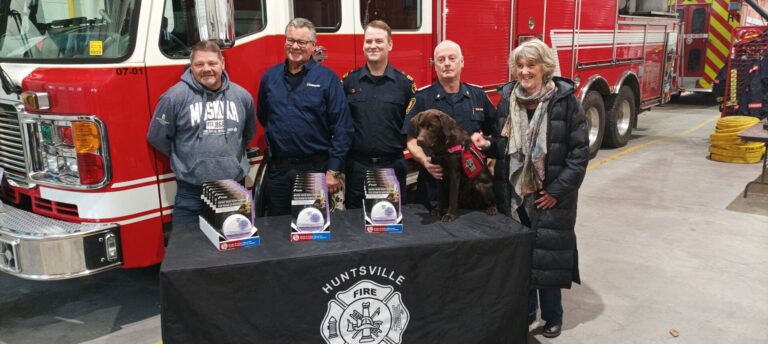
467 182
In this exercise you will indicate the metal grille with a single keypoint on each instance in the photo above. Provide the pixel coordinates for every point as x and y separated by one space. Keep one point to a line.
15 221
11 147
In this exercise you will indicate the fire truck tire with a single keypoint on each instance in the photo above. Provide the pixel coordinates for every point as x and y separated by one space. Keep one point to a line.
594 109
620 120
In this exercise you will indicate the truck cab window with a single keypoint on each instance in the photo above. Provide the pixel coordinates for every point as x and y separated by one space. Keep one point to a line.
178 30
325 14
77 29
694 60
399 14
699 20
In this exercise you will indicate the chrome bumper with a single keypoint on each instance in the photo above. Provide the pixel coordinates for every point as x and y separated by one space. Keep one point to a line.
40 248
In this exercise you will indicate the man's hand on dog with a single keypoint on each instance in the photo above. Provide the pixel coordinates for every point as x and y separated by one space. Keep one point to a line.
545 201
435 170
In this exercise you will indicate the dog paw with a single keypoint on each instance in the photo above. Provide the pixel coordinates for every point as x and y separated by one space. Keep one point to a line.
449 217
491 210
436 212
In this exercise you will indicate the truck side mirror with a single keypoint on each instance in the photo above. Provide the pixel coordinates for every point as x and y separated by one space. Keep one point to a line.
215 21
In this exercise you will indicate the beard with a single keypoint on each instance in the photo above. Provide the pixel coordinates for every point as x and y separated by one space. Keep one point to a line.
208 80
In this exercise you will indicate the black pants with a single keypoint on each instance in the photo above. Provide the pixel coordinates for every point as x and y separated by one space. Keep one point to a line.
278 184
355 174
426 188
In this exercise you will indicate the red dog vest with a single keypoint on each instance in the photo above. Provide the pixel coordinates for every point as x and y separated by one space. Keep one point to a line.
472 160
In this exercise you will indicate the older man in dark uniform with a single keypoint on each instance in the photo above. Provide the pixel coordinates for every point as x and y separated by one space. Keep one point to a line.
467 104
378 99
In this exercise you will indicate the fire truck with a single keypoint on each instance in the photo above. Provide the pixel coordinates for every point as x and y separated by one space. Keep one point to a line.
82 190
706 40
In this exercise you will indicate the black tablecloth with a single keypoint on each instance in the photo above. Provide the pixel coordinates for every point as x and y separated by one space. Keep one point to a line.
459 282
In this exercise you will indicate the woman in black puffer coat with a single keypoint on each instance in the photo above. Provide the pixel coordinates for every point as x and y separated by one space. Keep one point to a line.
542 153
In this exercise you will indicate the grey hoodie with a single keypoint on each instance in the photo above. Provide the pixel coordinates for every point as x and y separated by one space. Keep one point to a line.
205 133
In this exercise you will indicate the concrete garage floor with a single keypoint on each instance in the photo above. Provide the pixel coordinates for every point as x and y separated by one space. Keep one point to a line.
666 243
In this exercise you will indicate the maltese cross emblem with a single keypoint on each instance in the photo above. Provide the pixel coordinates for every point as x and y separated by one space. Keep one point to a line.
366 313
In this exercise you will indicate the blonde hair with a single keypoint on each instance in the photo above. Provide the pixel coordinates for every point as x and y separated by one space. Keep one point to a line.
536 51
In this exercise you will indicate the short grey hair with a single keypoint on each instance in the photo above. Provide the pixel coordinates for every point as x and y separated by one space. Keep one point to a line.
450 44
298 22
536 51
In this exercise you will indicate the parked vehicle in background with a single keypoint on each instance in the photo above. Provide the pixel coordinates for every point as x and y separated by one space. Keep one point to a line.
707 33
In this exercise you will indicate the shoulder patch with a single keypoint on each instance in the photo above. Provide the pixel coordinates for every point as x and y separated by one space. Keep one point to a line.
410 105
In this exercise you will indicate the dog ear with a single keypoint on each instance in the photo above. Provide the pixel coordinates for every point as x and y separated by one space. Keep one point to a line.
449 128
415 121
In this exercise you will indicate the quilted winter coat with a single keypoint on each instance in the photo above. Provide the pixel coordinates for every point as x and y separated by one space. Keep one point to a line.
555 257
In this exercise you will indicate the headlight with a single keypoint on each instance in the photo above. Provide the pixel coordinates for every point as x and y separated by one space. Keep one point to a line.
67 151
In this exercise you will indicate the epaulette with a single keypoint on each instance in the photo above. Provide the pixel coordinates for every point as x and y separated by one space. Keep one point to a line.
422 88
406 75
410 79
350 72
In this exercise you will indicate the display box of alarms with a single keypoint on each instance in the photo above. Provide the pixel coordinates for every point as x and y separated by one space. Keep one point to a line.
310 213
222 243
382 204
226 217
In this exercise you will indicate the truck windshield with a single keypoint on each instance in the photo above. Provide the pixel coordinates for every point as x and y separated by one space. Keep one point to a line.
73 29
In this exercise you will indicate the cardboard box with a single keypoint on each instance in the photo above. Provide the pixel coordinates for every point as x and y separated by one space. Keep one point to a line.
222 244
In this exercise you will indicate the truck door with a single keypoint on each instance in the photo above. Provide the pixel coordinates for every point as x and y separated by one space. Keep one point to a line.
482 29
696 23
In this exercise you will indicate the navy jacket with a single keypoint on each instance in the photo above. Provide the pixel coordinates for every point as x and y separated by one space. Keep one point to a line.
311 119
472 112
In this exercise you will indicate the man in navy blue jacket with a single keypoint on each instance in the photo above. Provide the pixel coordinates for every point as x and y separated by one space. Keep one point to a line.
306 118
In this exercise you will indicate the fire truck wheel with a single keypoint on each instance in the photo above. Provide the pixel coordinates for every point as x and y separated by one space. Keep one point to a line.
618 126
594 109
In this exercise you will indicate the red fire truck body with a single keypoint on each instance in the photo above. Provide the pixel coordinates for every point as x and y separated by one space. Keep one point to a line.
84 192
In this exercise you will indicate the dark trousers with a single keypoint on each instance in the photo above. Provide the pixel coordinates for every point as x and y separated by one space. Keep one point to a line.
426 189
550 299
551 303
278 184
187 205
355 178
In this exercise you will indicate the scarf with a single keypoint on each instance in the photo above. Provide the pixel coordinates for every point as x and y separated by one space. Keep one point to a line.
527 145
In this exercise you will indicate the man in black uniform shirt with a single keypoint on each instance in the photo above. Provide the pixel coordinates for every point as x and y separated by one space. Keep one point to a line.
465 103
378 99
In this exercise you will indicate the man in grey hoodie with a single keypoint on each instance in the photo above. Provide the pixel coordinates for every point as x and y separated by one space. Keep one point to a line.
203 124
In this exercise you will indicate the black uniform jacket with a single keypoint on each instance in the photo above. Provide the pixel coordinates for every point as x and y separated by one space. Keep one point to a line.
555 257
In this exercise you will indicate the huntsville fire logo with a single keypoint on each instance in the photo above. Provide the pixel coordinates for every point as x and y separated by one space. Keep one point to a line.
367 313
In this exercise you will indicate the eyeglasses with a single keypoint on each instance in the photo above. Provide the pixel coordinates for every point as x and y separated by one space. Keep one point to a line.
289 42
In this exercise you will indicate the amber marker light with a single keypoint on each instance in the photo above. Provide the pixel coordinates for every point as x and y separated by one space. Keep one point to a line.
35 100
86 136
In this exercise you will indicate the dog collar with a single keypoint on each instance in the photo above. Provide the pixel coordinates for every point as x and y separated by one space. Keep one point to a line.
456 148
